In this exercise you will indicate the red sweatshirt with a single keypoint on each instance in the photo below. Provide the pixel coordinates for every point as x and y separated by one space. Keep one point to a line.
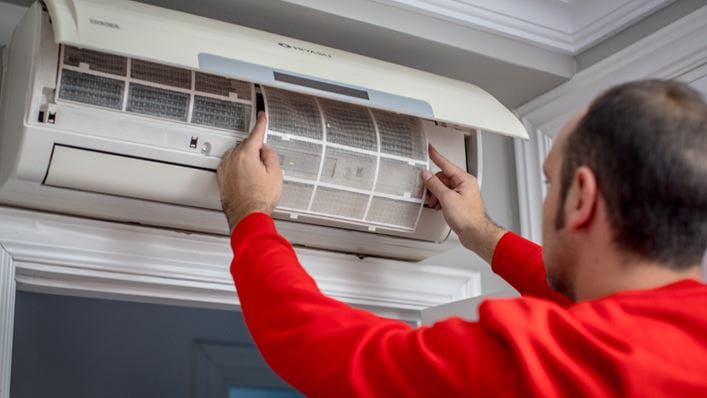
634 343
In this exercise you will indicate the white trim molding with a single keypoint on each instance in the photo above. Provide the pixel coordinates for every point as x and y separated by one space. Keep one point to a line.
565 26
67 255
529 156
7 319
673 52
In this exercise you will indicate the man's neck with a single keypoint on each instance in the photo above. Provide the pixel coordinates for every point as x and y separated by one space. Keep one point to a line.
599 279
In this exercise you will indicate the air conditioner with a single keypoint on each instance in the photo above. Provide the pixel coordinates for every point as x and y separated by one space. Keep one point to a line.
122 111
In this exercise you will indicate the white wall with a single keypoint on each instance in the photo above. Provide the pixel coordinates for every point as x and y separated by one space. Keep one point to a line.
10 15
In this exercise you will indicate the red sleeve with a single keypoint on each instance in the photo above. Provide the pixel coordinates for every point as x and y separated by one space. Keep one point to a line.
520 262
325 348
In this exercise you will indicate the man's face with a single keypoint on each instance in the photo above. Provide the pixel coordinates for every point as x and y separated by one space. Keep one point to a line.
557 248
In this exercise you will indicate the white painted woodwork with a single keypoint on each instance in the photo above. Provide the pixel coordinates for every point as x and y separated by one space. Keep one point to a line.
7 319
68 255
565 26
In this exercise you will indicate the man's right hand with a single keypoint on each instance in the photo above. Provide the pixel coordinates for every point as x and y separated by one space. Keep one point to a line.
457 194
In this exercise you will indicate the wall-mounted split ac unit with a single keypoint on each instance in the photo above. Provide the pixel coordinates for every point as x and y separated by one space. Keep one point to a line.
122 111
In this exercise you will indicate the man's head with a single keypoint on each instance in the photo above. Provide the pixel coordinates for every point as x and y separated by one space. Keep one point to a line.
629 174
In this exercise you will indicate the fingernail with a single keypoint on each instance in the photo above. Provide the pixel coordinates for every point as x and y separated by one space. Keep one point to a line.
426 175
260 114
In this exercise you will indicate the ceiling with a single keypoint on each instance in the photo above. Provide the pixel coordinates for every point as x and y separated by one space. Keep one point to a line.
566 26
514 49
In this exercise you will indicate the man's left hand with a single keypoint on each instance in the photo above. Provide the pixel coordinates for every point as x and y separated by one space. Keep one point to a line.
250 177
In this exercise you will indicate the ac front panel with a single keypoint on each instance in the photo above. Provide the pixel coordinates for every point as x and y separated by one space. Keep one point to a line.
173 38
105 152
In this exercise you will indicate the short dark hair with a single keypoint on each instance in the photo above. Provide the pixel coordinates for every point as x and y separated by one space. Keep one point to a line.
646 142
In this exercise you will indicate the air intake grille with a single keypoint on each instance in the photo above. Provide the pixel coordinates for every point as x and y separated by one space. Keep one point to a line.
222 86
96 61
160 74
158 102
150 89
92 90
222 114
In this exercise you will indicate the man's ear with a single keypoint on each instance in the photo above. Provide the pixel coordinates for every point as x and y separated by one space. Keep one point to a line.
582 198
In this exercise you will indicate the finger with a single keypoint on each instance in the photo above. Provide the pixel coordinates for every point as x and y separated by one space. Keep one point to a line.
445 180
435 185
255 140
270 158
432 202
224 161
449 168
227 154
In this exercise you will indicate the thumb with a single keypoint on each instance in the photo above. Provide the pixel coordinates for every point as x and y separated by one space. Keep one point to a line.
269 158
435 185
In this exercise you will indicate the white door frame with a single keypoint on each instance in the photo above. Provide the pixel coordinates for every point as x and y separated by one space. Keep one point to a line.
677 51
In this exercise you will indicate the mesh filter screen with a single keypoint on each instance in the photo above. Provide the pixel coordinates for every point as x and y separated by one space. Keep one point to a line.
90 89
158 102
147 98
401 135
351 169
161 74
295 195
298 158
293 113
399 178
355 173
98 61
339 203
394 212
219 113
349 125
223 86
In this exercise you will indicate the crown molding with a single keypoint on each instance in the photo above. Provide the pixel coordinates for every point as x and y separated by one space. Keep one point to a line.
667 53
67 255
564 26
602 20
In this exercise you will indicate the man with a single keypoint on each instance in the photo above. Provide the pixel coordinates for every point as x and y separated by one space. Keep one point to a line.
616 309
